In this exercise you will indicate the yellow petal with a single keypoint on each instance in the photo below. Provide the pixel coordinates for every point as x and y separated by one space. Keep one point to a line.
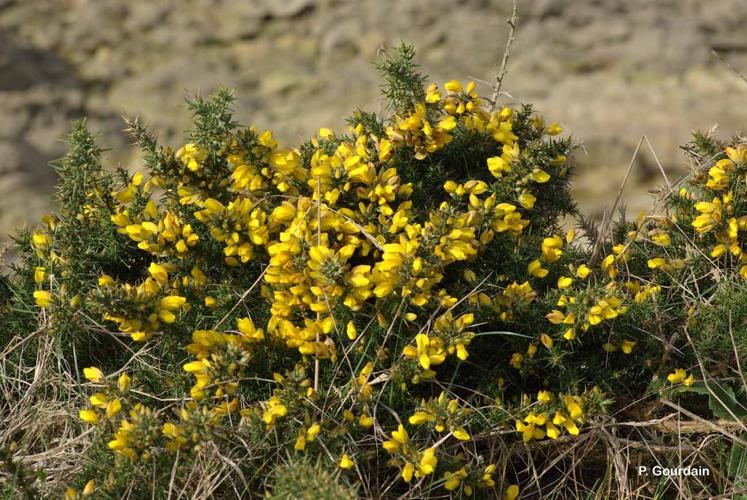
345 462
93 374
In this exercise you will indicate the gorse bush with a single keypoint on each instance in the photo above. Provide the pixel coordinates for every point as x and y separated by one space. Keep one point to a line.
392 310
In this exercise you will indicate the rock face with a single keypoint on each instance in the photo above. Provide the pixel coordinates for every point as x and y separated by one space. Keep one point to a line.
609 70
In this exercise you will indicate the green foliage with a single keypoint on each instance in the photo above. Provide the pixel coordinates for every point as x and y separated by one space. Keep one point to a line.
213 119
404 84
301 479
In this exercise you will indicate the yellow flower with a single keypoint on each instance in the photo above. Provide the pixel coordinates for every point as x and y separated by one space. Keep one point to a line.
428 461
546 340
123 382
421 417
552 431
432 94
454 479
345 462
196 366
516 359
275 409
583 271
608 347
447 123
461 351
105 280
527 200
365 420
191 156
351 331
312 432
535 269
423 342
661 239
529 430
326 133
453 86
300 444
113 407
172 302
99 400
554 129
680 376
39 275
43 298
89 416
552 249
532 350
512 492
498 166
564 282
544 397
718 251
461 434
400 435
627 346
93 374
41 240
89 488
248 330
540 176
677 376
407 472
656 262
159 273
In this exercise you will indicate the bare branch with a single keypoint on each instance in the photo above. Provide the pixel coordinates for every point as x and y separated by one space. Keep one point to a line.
501 70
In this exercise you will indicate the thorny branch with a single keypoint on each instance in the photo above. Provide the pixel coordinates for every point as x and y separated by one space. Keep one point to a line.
501 70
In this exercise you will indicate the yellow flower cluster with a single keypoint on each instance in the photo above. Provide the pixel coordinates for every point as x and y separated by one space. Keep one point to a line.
442 415
221 359
468 478
413 461
159 232
591 312
539 423
239 226
106 402
353 272
135 432
140 310
680 376
447 338
714 211
43 238
196 424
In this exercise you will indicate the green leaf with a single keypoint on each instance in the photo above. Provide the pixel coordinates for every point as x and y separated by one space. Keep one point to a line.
722 400
737 460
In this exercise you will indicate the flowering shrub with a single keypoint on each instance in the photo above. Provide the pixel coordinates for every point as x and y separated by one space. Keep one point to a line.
389 301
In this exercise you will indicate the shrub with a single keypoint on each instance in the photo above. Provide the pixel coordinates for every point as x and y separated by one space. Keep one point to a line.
398 304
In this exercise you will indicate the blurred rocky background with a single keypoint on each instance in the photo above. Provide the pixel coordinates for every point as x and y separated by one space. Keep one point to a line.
610 71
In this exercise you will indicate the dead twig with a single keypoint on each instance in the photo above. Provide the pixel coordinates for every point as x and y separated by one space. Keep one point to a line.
605 227
706 423
501 70
726 63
